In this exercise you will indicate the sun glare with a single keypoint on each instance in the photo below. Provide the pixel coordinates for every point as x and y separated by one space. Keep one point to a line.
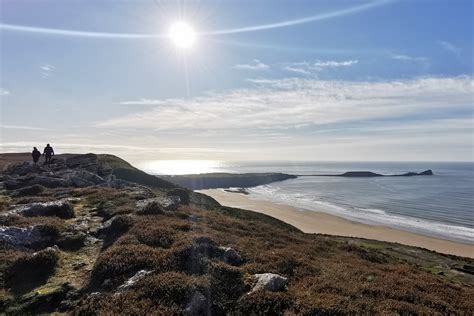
182 35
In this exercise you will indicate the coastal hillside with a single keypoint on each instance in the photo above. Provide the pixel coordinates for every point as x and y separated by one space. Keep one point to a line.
90 234
226 180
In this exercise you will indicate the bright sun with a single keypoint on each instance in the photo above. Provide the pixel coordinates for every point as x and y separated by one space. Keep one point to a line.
182 35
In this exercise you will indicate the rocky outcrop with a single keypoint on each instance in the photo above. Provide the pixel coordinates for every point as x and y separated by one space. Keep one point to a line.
158 205
35 237
61 208
269 281
78 171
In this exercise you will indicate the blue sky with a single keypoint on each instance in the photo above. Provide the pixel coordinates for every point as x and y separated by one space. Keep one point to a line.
336 80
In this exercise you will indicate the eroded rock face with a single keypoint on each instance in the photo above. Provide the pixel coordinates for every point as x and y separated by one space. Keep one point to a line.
35 237
61 208
29 190
270 281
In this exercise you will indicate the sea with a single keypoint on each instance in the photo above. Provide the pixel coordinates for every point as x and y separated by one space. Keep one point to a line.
440 206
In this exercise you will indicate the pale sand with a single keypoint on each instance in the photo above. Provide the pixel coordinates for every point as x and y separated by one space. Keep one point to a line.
319 222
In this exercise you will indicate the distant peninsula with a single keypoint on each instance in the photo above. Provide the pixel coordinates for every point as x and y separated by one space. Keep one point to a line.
246 180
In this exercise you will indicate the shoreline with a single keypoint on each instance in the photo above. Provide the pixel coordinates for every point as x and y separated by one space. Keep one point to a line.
310 221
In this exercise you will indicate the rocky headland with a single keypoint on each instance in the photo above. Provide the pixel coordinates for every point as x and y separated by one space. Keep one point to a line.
91 234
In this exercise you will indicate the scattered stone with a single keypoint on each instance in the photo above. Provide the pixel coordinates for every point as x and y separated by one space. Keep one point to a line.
87 162
134 279
231 256
197 305
35 237
60 208
270 281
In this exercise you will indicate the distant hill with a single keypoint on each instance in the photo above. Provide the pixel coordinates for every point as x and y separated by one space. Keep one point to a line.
226 180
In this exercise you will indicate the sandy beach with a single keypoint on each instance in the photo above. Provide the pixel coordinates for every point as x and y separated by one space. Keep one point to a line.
319 222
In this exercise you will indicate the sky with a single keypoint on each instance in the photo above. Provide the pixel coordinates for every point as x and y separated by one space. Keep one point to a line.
368 80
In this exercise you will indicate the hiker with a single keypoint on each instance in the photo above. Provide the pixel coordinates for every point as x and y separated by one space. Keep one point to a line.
48 153
36 154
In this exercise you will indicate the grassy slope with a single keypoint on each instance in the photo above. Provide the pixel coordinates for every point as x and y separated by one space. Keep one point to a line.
327 274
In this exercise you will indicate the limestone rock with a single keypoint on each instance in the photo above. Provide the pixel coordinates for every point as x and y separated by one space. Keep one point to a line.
270 281
134 279
60 208
36 237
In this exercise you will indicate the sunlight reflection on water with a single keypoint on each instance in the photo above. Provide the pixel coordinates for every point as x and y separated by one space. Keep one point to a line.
175 167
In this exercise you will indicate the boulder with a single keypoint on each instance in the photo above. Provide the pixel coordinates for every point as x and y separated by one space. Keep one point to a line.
270 281
60 208
231 256
197 305
35 237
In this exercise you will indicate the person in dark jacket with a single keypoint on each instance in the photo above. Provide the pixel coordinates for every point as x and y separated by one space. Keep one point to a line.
36 154
48 153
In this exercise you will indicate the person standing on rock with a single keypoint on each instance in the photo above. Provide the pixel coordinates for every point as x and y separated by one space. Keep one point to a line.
48 154
36 154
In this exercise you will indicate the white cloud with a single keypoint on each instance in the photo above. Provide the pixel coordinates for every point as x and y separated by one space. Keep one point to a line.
288 103
256 65
47 70
333 64
313 68
4 92
409 58
144 101
298 70
22 127
450 47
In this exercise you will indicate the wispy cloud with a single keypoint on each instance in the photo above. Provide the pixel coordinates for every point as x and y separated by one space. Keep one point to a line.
298 69
334 64
255 65
450 47
289 103
144 101
312 68
47 70
22 127
408 58
4 92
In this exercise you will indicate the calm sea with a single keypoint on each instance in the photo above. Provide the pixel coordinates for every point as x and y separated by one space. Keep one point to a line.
441 205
